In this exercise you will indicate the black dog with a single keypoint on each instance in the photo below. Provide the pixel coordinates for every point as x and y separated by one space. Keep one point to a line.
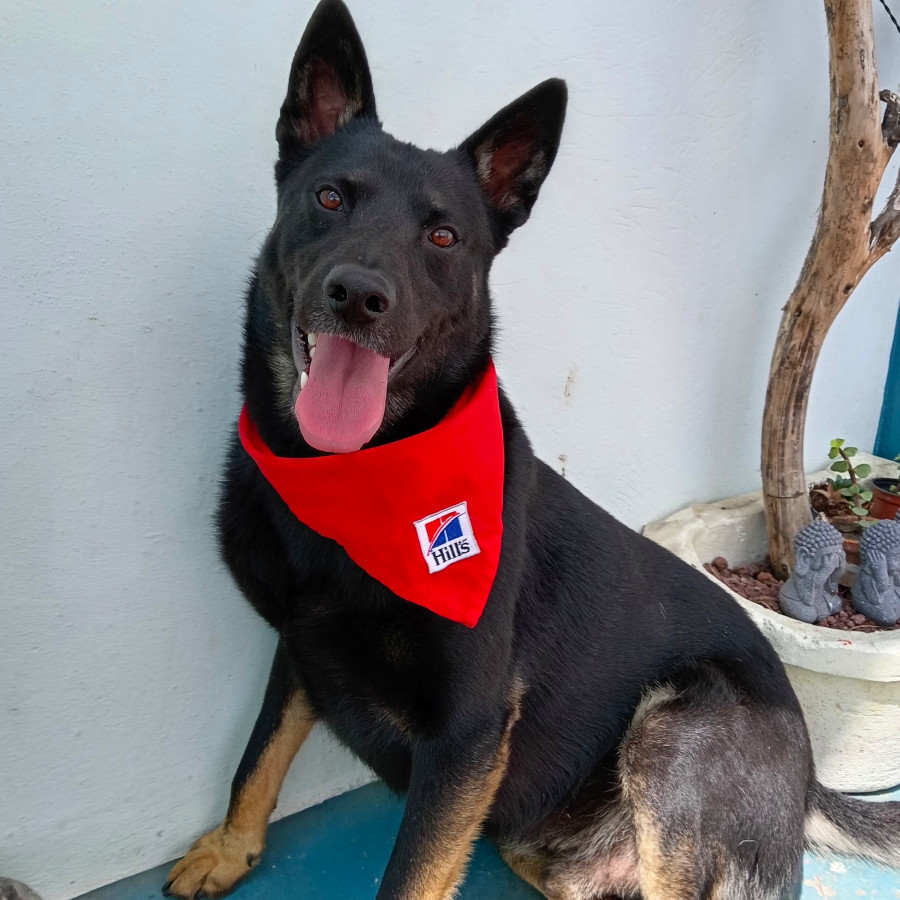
614 721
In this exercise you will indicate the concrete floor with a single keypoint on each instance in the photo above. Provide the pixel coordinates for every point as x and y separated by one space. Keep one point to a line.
338 851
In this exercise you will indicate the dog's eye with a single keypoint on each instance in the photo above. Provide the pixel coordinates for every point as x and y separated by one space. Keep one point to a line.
443 237
330 198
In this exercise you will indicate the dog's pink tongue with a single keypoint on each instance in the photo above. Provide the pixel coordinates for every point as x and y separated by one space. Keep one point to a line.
342 404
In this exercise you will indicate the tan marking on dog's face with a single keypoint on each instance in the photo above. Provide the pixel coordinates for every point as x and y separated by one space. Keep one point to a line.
221 858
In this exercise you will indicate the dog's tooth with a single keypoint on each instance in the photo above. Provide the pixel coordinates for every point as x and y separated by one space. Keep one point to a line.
311 339
303 379
312 351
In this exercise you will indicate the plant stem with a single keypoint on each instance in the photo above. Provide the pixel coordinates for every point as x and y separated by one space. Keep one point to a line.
850 470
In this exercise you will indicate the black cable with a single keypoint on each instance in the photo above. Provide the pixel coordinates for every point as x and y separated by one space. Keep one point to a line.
887 9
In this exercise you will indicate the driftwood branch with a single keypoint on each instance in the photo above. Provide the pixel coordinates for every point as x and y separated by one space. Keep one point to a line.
846 243
885 229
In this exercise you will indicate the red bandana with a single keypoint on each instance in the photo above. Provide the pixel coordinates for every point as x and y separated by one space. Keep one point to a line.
422 515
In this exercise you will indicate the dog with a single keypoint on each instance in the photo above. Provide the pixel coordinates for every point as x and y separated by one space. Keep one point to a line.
614 721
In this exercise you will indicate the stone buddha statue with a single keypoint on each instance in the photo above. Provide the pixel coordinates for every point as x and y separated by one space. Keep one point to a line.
876 593
811 591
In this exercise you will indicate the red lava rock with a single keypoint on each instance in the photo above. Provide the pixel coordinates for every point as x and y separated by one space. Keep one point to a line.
758 584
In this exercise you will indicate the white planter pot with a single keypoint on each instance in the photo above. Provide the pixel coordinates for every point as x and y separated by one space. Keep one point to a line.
847 683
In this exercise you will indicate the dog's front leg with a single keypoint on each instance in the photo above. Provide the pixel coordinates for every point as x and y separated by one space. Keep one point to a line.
452 788
221 858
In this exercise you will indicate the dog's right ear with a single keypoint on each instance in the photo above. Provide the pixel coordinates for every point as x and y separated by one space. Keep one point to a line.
330 82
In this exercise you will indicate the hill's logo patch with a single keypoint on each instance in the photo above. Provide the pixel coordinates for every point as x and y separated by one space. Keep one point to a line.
446 537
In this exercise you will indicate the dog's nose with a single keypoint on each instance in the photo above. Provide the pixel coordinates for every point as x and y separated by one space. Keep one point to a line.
356 294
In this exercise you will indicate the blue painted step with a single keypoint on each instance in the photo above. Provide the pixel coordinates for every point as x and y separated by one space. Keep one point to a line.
338 851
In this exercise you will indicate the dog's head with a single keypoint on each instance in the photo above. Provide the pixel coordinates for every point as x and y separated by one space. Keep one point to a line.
378 260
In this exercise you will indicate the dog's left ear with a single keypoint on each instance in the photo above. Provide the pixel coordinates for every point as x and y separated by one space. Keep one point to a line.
330 82
512 153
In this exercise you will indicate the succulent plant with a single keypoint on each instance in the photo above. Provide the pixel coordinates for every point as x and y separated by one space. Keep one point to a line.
847 483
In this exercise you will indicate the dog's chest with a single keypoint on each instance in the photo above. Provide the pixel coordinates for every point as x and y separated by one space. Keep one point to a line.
383 676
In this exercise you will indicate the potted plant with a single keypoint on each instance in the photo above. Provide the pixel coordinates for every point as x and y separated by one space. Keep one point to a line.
886 499
848 681
843 499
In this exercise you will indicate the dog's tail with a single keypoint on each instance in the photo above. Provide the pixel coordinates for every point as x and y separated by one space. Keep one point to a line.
836 823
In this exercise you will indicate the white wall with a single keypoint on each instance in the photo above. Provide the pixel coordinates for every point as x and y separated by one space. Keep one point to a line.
136 146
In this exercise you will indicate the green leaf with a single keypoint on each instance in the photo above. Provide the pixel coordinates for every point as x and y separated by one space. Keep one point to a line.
850 451
863 470
837 442
858 510
865 496
834 453
840 466
853 489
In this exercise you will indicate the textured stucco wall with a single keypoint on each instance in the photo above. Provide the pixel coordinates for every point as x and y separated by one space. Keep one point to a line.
638 311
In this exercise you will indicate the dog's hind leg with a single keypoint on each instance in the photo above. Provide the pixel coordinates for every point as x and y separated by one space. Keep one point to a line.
218 860
716 780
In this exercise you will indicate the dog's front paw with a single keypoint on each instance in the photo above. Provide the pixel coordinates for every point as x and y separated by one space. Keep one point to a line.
214 865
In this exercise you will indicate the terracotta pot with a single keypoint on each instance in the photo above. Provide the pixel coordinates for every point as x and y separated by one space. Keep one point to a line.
885 503
851 551
850 528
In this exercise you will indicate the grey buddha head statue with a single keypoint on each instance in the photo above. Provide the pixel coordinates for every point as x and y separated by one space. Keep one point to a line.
876 592
811 591
819 548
